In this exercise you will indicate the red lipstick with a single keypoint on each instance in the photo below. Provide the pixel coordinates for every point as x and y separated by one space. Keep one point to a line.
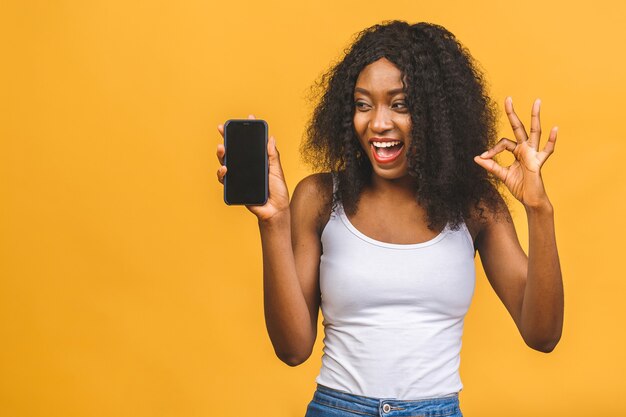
386 150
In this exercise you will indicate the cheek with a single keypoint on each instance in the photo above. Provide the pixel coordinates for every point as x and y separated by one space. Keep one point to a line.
360 123
405 123
360 127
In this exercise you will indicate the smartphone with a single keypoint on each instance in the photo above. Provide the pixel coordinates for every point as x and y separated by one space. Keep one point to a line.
246 180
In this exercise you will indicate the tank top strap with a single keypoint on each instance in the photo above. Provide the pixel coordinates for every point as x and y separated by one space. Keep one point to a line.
337 207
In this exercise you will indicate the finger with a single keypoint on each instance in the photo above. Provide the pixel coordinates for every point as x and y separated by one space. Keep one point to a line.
273 154
535 125
549 148
220 129
221 151
518 128
251 116
272 150
502 144
492 166
221 172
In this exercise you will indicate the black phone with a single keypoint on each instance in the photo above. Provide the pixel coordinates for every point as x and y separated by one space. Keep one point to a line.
246 180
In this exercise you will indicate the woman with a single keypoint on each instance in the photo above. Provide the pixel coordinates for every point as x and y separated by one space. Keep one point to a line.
384 238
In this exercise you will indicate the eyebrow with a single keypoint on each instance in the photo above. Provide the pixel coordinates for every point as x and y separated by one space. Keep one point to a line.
389 93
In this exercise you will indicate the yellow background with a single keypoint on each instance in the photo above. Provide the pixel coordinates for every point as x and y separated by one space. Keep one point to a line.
128 288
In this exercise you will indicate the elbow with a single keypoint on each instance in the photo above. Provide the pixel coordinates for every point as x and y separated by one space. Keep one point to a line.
293 359
544 346
544 340
295 349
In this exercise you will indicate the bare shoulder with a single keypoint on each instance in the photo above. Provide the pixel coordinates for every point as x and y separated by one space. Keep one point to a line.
312 198
485 215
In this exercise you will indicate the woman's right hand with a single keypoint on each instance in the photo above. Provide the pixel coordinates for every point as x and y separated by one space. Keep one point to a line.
278 200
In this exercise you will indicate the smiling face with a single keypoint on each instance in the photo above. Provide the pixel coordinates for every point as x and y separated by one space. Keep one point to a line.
381 118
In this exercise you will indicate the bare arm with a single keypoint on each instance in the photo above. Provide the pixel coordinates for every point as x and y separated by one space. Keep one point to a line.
291 255
291 252
542 311
531 287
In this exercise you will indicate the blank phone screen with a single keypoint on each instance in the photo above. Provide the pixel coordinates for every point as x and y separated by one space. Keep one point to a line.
246 160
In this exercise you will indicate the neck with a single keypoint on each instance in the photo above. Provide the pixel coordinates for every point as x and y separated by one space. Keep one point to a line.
399 187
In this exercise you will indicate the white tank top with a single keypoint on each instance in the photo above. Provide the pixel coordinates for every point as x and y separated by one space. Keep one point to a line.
393 313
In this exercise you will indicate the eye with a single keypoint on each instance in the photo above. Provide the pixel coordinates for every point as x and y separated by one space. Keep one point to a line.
361 105
400 105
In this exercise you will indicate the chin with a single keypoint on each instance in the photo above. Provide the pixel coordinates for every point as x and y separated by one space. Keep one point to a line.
391 173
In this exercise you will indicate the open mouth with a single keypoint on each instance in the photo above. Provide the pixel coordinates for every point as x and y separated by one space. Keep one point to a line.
386 151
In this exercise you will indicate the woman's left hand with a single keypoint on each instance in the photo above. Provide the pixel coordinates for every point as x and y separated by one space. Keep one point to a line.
523 177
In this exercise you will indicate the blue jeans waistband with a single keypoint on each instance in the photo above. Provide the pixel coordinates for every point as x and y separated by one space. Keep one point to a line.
326 397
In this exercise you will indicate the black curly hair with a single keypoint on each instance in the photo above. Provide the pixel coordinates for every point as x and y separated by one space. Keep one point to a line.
453 119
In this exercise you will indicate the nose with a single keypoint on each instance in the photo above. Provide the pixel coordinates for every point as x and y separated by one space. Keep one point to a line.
381 121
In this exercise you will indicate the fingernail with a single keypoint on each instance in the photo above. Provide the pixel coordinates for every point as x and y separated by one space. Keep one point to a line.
484 154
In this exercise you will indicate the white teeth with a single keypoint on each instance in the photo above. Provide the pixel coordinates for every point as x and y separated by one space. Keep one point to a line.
386 144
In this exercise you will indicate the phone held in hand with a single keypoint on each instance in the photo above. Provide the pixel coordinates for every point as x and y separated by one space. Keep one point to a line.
246 180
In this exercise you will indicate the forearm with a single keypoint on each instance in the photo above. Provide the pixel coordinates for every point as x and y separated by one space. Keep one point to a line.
542 309
287 317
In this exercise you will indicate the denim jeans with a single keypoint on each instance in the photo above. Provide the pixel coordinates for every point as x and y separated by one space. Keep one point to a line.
328 402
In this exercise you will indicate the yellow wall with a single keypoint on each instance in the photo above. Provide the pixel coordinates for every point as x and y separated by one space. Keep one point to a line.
129 289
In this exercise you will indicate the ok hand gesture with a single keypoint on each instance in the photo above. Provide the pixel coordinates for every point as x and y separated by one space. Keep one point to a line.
523 177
